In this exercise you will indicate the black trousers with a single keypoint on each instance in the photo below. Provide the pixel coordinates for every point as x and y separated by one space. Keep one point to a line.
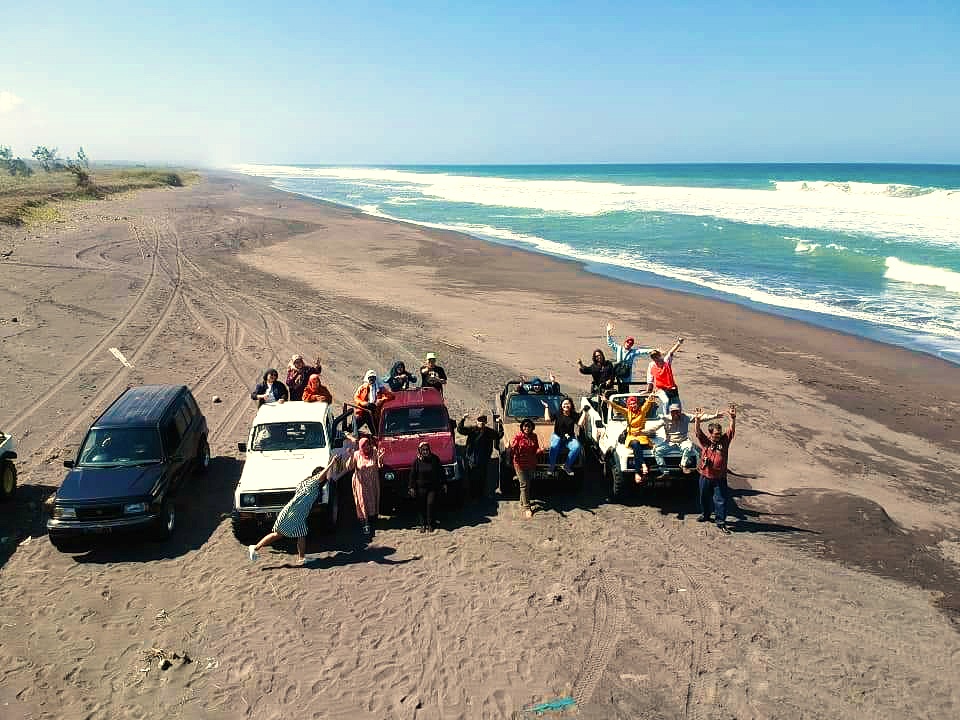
426 498
478 479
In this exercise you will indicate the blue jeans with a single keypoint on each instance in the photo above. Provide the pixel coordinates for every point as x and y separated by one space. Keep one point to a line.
573 451
718 489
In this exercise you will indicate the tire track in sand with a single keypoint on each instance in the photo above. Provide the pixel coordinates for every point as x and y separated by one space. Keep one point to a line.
609 611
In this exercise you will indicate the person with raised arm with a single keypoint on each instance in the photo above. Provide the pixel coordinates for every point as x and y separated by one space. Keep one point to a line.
298 375
676 436
566 426
714 456
637 437
623 357
600 371
481 440
660 374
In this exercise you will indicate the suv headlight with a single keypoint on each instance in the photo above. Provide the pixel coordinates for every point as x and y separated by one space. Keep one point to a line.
65 513
134 508
389 476
248 500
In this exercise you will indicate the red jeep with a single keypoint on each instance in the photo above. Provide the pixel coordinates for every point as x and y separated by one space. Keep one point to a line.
404 422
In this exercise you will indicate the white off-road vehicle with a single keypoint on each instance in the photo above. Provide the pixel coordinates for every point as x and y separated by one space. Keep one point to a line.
8 471
623 473
287 442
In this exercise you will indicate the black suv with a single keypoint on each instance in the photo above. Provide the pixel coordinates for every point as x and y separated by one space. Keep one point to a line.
136 456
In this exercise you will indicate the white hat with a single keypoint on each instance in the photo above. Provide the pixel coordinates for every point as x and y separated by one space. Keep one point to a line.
371 374
431 356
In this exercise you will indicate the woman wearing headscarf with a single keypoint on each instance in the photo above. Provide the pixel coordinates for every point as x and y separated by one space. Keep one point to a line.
270 390
636 438
368 399
523 452
399 378
315 391
426 479
298 375
366 462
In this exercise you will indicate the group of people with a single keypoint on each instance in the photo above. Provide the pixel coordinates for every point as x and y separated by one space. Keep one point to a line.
302 383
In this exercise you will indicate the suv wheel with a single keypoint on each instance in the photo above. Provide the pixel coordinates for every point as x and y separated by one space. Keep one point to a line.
8 480
615 473
245 532
203 455
67 545
166 520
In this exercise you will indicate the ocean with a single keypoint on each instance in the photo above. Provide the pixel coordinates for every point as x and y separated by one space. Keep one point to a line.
872 250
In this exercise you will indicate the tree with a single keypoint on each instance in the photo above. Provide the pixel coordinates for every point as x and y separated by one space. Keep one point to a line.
82 158
47 158
14 166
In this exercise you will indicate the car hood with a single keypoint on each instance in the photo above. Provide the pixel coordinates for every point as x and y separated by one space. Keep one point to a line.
279 470
84 484
400 451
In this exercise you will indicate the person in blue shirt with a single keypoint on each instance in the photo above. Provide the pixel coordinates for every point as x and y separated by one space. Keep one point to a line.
624 357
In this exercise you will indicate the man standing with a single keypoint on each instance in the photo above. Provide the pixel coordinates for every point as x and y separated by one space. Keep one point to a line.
480 442
624 357
713 466
660 374
431 374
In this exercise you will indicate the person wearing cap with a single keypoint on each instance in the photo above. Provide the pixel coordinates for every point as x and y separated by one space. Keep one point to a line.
715 444
426 480
431 374
368 399
676 436
298 375
524 449
660 374
623 357
479 447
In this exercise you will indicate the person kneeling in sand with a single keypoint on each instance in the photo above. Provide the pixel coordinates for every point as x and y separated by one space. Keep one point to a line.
292 519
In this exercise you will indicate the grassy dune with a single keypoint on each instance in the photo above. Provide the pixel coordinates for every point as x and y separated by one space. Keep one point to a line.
27 199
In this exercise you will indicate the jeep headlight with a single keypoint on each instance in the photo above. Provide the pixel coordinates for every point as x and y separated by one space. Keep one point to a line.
248 500
136 508
65 513
389 476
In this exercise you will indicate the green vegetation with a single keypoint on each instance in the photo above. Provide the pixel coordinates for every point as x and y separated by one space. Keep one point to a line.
24 198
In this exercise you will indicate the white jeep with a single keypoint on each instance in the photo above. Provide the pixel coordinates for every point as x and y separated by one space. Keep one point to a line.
8 471
606 430
287 442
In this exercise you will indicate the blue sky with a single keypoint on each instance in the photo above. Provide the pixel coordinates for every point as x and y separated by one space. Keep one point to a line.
493 82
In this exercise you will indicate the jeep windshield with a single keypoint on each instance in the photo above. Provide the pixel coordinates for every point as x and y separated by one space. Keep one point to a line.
288 436
114 447
415 420
531 406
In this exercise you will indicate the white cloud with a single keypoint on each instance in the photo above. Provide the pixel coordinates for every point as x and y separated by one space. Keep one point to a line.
8 101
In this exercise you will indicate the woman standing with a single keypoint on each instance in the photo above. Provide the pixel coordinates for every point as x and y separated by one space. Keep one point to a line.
426 479
366 464
298 375
270 390
523 451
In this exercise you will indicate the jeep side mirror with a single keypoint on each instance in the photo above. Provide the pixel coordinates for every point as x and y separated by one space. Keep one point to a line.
242 447
68 463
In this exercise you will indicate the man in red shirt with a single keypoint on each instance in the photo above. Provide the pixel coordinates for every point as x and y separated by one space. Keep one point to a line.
715 446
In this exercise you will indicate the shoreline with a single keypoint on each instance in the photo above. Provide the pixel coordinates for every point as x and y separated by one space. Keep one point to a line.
931 346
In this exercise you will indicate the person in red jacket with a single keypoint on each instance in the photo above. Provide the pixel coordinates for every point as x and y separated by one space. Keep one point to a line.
523 451
368 399
715 451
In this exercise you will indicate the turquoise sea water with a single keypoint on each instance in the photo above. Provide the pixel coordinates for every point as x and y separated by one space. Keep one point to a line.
872 250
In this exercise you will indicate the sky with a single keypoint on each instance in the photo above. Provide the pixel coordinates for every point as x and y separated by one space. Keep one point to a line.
370 82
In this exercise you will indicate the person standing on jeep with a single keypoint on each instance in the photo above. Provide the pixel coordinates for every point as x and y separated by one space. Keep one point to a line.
623 358
660 374
399 379
480 442
431 374
713 465
601 370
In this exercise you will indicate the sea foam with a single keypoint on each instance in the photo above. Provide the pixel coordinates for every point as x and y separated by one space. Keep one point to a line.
922 275
898 212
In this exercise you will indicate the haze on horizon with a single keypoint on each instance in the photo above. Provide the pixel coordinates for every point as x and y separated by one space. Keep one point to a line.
422 82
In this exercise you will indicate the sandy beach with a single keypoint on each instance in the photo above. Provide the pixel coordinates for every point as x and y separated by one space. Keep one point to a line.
836 596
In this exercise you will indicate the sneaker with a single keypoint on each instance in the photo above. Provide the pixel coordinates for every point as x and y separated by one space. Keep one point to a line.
703 518
252 553
722 527
568 471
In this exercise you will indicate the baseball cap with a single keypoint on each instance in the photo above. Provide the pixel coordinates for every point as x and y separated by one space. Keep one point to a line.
674 406
431 356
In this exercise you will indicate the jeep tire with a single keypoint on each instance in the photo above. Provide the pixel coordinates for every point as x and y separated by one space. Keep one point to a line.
8 479
203 456
618 485
166 521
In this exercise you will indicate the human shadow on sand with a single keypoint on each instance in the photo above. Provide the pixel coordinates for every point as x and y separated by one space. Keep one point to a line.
202 503
369 554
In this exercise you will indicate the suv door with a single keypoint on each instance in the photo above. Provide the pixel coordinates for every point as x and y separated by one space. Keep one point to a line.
173 450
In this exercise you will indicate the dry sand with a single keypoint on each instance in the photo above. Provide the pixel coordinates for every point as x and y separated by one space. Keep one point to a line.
837 596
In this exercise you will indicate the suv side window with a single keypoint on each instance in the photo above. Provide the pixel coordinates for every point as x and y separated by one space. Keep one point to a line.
171 436
182 420
191 405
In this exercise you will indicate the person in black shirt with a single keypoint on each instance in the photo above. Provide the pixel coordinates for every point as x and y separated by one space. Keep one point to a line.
432 375
426 479
536 386
601 370
399 378
566 427
480 442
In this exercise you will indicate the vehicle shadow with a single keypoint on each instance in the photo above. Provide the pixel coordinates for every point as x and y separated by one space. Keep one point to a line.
200 509
22 519
371 553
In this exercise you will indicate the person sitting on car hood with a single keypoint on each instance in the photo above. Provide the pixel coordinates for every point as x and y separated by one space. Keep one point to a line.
270 390
399 378
315 391
676 436
637 437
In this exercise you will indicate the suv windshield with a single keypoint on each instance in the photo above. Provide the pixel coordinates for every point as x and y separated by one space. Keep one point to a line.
288 436
523 406
109 447
413 420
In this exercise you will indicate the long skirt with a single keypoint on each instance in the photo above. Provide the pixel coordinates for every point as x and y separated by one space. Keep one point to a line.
366 492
